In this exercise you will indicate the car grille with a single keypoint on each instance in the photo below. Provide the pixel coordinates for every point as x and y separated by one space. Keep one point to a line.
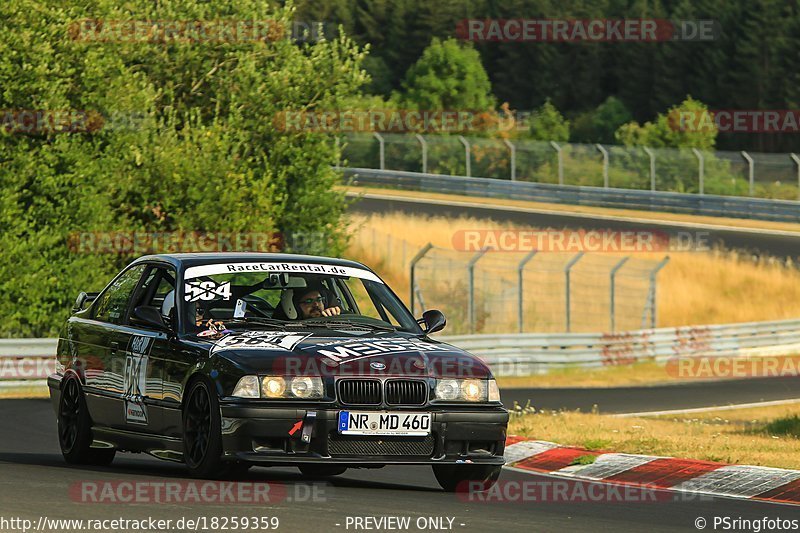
361 445
406 392
360 391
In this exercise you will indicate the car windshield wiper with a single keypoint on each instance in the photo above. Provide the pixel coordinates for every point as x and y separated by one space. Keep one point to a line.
338 324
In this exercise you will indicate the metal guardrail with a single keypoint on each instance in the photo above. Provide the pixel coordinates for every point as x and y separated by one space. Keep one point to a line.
695 204
534 353
28 360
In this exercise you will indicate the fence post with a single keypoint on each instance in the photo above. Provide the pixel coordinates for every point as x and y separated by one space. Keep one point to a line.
381 149
466 155
700 169
424 146
653 304
513 152
520 272
567 270
613 302
471 275
797 162
750 173
652 157
605 164
560 157
424 250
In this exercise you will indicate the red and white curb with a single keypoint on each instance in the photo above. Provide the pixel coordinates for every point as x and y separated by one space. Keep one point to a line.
668 473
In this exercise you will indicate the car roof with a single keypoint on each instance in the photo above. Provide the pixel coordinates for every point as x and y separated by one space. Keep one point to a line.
185 260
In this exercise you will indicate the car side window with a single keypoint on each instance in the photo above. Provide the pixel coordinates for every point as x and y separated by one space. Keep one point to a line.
158 291
112 305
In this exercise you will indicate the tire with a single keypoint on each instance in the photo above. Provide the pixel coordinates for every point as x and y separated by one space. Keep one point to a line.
466 478
75 428
322 470
202 433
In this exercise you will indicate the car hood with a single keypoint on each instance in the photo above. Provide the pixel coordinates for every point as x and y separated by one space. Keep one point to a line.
343 353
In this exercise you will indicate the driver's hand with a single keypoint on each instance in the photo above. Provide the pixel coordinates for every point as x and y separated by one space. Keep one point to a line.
331 311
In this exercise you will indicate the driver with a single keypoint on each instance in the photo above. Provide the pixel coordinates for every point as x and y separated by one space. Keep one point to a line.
310 303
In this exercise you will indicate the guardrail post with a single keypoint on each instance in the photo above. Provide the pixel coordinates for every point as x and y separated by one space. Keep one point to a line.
513 153
613 288
652 157
520 272
560 157
750 173
700 169
381 149
797 162
467 157
605 164
424 146
653 303
424 250
471 274
567 270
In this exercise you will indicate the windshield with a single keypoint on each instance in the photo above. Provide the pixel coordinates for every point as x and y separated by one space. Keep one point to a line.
289 295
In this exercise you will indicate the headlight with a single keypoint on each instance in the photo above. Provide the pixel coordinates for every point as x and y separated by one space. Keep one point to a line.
247 387
467 390
494 391
304 388
273 387
447 389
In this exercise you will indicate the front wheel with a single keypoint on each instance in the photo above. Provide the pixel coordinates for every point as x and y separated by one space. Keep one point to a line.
466 478
202 432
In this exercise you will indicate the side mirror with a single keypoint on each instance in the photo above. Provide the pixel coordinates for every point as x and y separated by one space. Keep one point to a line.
433 320
150 316
83 300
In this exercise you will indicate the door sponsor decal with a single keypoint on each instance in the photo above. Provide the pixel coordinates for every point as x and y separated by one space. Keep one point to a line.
136 379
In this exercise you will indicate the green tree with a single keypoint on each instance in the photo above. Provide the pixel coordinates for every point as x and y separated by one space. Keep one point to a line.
600 124
202 146
448 76
548 124
688 125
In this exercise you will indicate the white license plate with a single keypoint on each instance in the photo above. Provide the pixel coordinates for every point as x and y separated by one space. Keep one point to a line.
375 423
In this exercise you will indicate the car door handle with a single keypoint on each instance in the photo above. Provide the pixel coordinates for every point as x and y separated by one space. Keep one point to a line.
114 345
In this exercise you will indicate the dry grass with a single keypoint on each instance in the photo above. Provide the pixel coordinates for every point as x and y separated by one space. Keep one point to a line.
766 436
34 391
695 287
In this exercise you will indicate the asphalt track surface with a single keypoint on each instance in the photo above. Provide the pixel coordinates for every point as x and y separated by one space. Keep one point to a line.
684 395
777 244
35 482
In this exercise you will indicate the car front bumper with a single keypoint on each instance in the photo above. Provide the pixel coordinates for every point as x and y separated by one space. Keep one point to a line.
286 435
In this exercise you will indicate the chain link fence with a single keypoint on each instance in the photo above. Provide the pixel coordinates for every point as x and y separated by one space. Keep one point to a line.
684 170
506 292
